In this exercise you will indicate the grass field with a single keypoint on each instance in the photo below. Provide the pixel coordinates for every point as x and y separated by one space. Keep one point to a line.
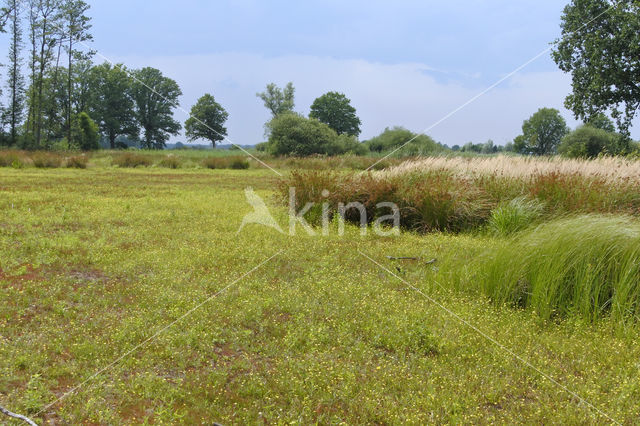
96 263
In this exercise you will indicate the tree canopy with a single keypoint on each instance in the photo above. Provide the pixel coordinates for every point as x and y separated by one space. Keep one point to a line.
600 47
207 121
277 100
335 110
156 96
541 133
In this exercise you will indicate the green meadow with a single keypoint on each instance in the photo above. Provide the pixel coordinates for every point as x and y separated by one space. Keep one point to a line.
127 296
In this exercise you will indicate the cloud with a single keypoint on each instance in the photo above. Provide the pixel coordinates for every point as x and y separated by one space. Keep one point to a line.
413 95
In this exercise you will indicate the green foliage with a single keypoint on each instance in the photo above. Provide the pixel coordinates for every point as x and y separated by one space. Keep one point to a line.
602 122
541 133
586 266
589 142
335 110
207 121
292 134
603 58
278 101
110 102
86 134
513 216
235 163
411 143
155 97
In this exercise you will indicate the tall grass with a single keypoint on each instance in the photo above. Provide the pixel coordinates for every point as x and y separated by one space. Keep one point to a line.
587 266
515 215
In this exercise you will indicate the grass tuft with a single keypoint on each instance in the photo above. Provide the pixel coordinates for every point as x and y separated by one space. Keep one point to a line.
514 216
130 159
587 266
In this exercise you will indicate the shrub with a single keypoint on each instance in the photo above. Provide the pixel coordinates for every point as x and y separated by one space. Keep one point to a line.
130 159
586 266
292 134
514 216
411 144
78 162
46 160
239 164
170 162
15 159
589 142
86 132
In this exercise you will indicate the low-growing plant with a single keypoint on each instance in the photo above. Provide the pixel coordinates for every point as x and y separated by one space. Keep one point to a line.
236 163
131 159
588 266
46 160
170 161
15 159
239 164
77 162
513 216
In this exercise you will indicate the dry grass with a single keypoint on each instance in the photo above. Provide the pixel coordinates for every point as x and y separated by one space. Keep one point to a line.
608 168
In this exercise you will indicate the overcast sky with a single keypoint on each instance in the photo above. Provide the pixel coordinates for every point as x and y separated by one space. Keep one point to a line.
406 63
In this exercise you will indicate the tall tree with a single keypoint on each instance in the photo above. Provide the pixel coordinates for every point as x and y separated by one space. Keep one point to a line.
207 120
77 26
45 28
335 110
110 102
156 96
542 133
15 81
278 100
600 47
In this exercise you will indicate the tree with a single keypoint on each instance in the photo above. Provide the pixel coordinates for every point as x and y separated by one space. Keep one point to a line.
589 142
207 121
155 97
86 134
111 103
335 110
542 133
15 80
601 121
600 47
77 31
276 100
45 23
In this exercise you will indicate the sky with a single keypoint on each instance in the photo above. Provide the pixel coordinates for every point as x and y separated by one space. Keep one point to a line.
404 63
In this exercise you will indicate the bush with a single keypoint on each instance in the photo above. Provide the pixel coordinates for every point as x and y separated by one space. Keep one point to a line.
15 159
514 216
86 133
239 164
131 159
170 162
589 142
412 144
78 162
292 134
586 266
46 160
